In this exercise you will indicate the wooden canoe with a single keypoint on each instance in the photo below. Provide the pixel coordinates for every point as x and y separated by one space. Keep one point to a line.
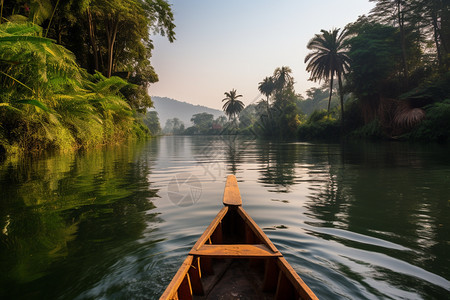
234 259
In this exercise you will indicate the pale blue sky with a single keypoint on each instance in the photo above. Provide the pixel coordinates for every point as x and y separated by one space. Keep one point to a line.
229 44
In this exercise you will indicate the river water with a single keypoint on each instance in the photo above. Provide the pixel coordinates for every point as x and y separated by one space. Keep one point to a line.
356 221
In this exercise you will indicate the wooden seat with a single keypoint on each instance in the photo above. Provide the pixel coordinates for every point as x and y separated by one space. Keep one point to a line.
235 251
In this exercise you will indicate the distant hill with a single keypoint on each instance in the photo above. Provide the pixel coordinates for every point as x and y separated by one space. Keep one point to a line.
169 108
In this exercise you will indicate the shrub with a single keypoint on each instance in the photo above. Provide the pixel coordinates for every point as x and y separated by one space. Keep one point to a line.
372 130
327 128
436 126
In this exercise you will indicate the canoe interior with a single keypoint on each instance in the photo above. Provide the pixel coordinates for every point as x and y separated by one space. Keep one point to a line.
234 259
242 272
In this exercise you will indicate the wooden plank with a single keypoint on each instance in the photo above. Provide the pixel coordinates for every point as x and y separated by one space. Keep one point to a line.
235 251
172 289
256 229
210 229
303 290
231 195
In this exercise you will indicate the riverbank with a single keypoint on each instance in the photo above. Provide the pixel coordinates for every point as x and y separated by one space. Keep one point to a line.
48 102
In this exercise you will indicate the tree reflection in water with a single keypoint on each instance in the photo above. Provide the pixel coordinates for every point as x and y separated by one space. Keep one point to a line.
70 209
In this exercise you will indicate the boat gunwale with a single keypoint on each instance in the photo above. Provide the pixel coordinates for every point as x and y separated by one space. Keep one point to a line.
285 270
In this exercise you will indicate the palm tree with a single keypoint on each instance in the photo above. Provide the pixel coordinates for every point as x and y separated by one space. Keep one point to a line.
329 58
282 78
232 106
266 87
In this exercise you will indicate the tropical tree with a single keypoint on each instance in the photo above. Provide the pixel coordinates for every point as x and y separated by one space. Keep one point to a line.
266 87
31 64
396 13
173 126
151 120
328 59
282 78
203 121
232 106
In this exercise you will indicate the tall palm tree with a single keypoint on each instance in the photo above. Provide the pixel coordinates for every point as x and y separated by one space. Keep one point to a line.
329 58
232 106
282 78
266 87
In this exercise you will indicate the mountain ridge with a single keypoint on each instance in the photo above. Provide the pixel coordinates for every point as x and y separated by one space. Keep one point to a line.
168 108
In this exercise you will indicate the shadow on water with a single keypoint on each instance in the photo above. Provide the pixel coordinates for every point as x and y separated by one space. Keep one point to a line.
66 220
277 164
389 202
357 221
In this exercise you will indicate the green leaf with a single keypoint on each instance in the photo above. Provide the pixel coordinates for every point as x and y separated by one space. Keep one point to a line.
34 39
33 102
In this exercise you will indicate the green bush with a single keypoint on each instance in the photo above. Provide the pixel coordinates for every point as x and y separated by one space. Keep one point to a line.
317 116
48 102
328 129
372 130
436 126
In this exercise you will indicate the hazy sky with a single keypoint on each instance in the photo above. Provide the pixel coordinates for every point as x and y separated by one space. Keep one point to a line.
221 45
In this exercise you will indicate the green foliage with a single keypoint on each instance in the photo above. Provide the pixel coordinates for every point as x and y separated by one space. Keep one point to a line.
248 116
173 126
282 79
434 89
48 102
151 120
328 59
203 122
436 126
317 99
375 56
232 106
327 128
372 130
284 115
320 125
279 115
317 116
110 37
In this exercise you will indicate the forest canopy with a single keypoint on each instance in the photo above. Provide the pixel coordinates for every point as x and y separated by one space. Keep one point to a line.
75 73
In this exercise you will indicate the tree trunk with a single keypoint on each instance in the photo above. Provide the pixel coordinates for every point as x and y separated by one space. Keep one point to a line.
112 26
331 92
444 32
341 94
1 12
436 36
401 24
91 25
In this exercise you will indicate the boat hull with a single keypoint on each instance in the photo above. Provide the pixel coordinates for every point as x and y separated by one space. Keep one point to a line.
233 258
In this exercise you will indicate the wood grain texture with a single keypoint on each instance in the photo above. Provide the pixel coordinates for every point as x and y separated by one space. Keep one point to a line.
171 291
231 195
210 229
251 243
235 251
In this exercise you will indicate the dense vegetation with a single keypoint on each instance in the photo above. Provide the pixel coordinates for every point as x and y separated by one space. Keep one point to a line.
392 73
385 76
75 73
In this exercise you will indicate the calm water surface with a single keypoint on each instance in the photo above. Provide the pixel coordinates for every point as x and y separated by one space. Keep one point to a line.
356 221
